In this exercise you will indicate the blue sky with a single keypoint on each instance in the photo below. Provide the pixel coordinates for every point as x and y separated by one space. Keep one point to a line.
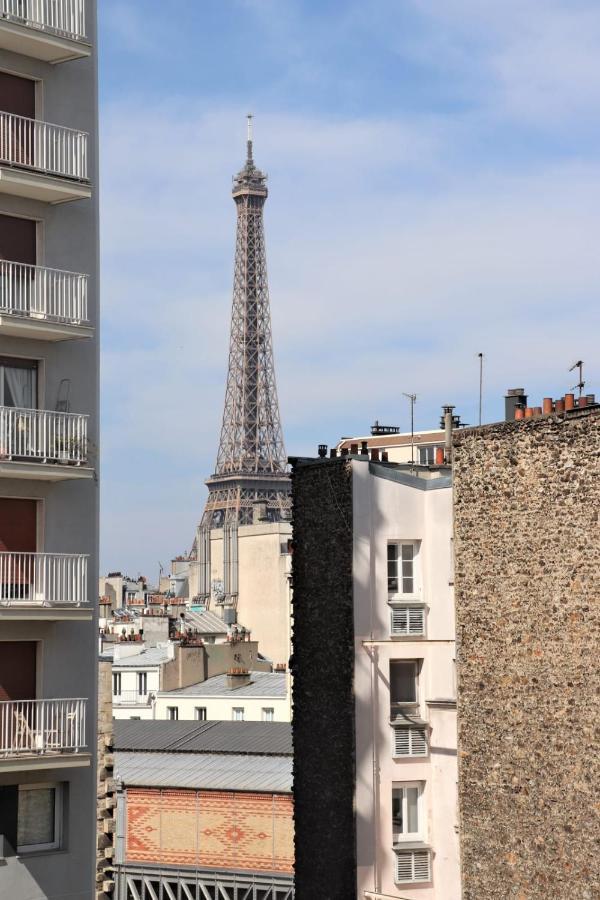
434 192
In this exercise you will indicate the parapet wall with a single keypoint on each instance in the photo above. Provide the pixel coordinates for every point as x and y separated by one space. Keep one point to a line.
527 582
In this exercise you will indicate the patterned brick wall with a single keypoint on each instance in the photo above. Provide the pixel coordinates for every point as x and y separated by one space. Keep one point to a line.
210 829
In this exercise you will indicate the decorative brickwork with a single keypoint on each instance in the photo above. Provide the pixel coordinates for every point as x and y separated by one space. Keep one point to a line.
527 550
210 829
323 669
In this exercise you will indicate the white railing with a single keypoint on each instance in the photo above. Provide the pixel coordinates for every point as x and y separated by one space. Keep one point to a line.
132 697
42 726
63 17
47 148
43 293
39 435
43 579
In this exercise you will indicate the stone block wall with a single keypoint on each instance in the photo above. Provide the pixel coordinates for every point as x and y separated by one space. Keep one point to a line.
527 580
322 665
106 788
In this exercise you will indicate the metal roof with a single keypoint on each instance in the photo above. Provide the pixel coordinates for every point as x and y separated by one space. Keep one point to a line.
151 656
254 738
206 771
205 622
263 684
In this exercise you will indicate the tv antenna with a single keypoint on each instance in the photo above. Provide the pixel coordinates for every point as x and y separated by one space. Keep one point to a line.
413 399
581 383
480 355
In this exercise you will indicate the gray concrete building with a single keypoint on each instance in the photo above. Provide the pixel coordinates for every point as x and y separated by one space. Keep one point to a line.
48 447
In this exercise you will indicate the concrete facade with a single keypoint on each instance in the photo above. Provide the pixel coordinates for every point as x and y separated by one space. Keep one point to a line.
67 510
526 505
346 641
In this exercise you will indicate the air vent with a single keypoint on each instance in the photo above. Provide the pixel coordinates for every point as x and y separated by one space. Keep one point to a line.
410 742
414 865
408 621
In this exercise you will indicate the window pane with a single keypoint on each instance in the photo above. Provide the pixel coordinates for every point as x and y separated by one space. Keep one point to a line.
408 552
392 568
412 810
36 816
403 686
19 387
397 821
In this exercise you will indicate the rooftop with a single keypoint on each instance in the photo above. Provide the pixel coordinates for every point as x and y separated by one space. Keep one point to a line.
263 684
226 738
231 772
205 622
149 656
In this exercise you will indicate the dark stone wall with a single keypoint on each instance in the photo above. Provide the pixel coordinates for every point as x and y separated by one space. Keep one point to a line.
527 582
323 670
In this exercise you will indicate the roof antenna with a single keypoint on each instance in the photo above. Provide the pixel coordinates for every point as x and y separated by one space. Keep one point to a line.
480 355
581 383
249 142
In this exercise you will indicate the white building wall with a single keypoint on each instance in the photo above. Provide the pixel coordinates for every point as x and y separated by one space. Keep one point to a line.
221 708
385 510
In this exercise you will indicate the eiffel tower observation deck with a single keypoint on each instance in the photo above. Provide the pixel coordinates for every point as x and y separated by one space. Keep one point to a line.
250 477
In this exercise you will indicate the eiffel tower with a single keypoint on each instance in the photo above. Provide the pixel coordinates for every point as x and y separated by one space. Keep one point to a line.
250 477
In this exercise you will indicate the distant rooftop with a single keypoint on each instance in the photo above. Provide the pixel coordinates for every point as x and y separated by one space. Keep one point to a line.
252 738
204 771
150 656
205 622
263 684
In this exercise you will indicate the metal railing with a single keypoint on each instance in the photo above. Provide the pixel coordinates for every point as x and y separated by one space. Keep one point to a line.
42 726
132 697
40 435
43 579
62 17
42 293
52 149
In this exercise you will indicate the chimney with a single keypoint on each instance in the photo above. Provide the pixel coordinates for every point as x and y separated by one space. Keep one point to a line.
448 425
375 454
237 678
322 450
515 398
364 448
332 453
354 449
384 456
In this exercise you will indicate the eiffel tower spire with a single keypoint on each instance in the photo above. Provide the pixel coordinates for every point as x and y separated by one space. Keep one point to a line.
251 460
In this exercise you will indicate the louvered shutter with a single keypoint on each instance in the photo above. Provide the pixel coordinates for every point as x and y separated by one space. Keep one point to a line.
410 742
400 620
413 865
416 620
408 620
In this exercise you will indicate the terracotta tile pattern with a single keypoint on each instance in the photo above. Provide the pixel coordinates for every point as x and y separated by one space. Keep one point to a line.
211 829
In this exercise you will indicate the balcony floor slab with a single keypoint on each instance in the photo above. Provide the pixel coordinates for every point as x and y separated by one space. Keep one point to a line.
39 44
40 329
39 471
37 186
43 761
16 613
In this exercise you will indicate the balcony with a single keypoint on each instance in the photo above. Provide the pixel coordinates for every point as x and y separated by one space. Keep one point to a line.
132 698
50 30
40 445
49 586
42 161
42 734
43 304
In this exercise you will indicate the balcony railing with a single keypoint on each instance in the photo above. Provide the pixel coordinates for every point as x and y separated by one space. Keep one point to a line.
42 293
39 435
131 698
43 579
43 147
41 726
62 17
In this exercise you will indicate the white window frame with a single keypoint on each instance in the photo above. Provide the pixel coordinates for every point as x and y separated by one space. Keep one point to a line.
268 714
197 711
116 685
173 713
56 844
411 708
419 834
400 594
142 680
237 709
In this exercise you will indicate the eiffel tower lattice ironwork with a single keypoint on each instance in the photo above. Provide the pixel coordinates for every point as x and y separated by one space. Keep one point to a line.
251 461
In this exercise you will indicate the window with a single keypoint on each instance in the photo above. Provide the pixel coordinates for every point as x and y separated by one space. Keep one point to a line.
406 813
200 713
268 714
116 684
427 455
142 683
401 568
18 379
237 714
403 686
39 817
173 713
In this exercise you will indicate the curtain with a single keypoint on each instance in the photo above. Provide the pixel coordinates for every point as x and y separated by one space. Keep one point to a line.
18 387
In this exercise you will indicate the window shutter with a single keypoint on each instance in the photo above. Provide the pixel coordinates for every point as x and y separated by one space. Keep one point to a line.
414 865
408 620
410 742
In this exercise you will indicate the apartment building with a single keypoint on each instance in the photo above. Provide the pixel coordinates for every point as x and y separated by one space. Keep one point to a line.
526 500
423 448
374 722
204 811
48 446
237 696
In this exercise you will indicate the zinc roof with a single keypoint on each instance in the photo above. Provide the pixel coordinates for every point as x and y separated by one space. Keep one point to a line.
263 684
152 656
252 738
205 771
205 622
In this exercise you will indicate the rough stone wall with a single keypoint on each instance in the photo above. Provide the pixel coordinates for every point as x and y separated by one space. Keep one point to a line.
527 581
106 787
323 668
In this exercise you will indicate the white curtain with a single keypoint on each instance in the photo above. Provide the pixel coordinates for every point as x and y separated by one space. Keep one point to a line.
19 388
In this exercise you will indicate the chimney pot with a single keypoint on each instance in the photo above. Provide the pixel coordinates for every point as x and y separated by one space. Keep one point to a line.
529 412
332 453
375 454
322 450
537 411
344 451
569 401
591 399
583 401
547 405
519 413
559 406
439 456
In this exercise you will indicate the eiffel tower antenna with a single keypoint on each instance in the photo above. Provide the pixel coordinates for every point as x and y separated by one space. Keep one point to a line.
251 460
